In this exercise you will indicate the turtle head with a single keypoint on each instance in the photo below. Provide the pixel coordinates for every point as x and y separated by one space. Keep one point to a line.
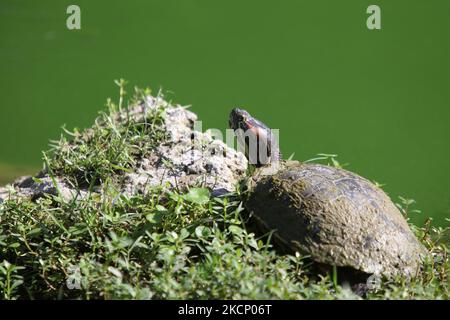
260 145
239 119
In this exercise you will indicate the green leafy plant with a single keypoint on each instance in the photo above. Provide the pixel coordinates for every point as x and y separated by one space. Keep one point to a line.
164 244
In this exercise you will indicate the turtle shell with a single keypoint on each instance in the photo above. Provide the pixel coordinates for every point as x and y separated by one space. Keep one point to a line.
336 217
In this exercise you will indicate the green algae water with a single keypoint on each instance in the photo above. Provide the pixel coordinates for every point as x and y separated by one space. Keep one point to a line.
380 99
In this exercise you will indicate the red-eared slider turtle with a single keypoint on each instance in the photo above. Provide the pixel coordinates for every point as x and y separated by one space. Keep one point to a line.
331 214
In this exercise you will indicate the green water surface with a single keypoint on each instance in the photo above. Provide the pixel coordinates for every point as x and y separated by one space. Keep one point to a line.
380 99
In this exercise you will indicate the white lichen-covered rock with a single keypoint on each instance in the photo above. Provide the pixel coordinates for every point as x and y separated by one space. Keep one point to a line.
42 184
4 194
57 186
187 158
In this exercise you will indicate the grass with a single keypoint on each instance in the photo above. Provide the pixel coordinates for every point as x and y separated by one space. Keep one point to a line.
165 244
117 139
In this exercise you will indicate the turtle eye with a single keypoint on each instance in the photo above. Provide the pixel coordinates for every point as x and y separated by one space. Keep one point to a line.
242 123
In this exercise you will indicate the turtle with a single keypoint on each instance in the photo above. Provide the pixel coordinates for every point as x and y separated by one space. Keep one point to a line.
334 216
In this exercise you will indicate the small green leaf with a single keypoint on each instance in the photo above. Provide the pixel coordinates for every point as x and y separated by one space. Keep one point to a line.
172 236
78 228
159 207
154 217
235 230
184 234
37 180
252 243
202 232
115 272
198 195
34 232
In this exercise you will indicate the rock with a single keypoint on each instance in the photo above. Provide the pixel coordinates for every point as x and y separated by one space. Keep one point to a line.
42 184
188 158
24 181
3 194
